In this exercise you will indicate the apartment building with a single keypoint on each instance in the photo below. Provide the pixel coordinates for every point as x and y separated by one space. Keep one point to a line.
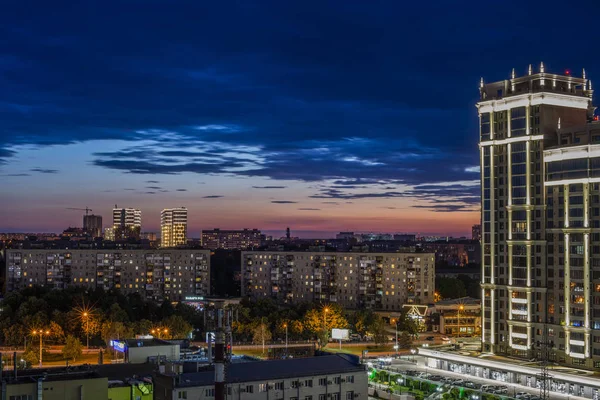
379 281
232 239
157 274
326 377
127 223
173 227
540 153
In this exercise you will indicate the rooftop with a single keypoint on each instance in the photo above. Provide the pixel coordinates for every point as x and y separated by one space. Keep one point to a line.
535 81
277 369
467 301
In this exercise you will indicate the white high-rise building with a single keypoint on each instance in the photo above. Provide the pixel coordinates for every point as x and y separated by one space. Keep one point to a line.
127 223
173 227
540 227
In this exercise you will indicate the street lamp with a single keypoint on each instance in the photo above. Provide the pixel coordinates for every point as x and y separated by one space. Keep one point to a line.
40 332
158 331
460 308
395 322
285 325
325 311
87 328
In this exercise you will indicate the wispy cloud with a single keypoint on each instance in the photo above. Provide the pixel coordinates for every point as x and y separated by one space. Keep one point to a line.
309 209
213 196
44 170
269 187
283 202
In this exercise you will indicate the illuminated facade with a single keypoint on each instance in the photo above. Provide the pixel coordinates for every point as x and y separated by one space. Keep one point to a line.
127 223
173 227
378 281
156 274
540 215
232 239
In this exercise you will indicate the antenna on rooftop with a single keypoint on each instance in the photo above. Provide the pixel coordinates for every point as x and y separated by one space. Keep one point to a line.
542 67
513 75
529 71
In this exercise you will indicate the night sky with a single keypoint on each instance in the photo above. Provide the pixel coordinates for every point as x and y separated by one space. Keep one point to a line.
322 116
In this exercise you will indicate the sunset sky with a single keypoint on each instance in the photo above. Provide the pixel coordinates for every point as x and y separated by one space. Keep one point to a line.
320 116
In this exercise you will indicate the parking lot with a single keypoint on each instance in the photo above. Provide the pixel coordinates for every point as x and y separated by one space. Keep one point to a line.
415 367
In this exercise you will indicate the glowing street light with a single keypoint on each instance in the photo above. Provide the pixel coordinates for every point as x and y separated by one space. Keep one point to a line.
460 308
86 315
285 325
158 331
41 333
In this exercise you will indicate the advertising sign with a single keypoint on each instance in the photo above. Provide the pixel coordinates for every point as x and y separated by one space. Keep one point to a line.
340 334
118 345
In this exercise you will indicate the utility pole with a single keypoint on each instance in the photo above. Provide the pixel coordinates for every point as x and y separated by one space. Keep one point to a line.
543 347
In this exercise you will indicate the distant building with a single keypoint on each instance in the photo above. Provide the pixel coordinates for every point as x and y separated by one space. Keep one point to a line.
378 281
405 237
109 234
173 227
127 223
75 233
92 224
155 274
476 232
334 377
232 239
151 236
345 235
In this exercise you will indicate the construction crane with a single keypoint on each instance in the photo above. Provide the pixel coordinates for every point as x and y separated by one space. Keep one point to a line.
87 210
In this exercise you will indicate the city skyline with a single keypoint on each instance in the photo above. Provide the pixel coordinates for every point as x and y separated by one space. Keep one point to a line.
336 120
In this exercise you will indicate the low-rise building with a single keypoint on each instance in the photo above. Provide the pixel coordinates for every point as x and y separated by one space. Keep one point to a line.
325 377
232 239
458 317
157 274
378 281
139 351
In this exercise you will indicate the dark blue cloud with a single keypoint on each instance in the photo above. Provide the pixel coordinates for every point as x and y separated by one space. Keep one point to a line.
283 202
363 93
269 187
213 196
44 170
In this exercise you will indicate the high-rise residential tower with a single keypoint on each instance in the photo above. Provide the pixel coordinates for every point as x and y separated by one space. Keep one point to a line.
92 224
540 171
127 223
173 227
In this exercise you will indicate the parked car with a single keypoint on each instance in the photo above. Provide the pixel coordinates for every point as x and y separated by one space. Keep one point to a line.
458 382
472 385
445 338
522 395
430 338
501 390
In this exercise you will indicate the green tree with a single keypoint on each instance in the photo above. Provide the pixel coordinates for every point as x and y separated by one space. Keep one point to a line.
450 288
404 340
14 335
408 324
178 327
261 333
56 332
320 321
72 349
30 357
377 329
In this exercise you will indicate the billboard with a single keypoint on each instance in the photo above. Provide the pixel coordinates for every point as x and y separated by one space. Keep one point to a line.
210 336
118 345
340 334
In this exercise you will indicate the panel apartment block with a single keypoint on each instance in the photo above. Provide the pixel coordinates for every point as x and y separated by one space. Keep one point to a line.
540 217
379 281
157 274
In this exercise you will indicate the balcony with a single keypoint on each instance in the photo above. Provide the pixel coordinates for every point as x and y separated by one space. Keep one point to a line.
519 347
574 342
519 335
517 300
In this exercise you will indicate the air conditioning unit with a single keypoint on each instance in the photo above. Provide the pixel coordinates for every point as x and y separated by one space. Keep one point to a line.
329 382
356 395
343 380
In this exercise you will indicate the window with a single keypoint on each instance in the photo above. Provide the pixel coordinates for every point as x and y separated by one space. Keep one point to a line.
307 397
183 394
278 385
249 388
322 397
308 382
295 384
350 379
350 395
335 396
262 387
337 380
322 381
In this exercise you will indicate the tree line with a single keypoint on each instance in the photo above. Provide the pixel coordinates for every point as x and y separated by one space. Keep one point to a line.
73 316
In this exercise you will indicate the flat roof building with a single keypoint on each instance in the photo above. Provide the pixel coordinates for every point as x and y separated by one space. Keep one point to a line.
378 281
